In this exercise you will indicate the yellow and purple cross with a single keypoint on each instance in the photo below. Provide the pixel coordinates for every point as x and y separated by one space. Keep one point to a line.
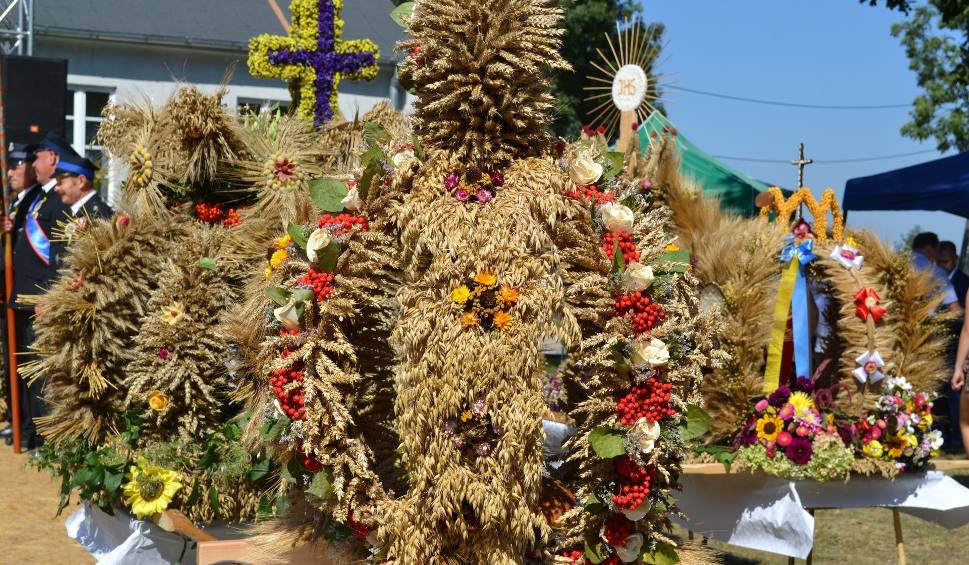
314 56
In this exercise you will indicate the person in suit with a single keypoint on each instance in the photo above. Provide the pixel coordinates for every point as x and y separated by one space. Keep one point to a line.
948 260
32 272
23 187
74 175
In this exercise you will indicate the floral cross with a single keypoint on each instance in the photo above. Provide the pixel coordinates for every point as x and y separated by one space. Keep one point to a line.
314 56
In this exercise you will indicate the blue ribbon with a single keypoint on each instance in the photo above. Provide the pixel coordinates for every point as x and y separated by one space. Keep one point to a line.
38 240
799 303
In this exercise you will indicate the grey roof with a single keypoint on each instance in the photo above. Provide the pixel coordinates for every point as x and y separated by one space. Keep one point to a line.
209 24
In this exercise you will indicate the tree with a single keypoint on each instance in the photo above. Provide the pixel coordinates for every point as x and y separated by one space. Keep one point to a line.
936 40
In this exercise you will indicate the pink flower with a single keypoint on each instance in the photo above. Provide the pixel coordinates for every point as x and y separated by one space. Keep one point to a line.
484 195
462 195
881 423
771 452
164 353
784 439
452 181
497 178
876 433
647 184
802 431
762 405
787 412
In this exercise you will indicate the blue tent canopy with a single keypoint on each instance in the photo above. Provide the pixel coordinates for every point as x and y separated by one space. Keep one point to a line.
939 186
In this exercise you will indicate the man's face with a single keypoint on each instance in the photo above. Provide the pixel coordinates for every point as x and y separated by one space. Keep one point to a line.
20 176
71 188
946 259
44 165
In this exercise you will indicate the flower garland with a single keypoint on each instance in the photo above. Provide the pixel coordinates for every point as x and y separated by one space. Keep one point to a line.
485 304
474 185
314 57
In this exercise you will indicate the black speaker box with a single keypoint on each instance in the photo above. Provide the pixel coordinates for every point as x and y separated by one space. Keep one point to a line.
34 97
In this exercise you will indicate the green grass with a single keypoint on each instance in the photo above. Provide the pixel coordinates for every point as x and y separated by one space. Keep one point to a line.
866 537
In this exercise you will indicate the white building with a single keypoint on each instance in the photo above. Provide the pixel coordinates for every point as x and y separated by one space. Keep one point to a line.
126 50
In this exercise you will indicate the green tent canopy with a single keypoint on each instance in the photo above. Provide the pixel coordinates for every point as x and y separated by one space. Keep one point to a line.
735 190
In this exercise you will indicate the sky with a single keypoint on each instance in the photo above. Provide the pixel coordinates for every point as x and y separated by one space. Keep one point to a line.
835 52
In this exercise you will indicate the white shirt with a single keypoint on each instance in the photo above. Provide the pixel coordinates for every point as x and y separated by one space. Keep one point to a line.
77 205
50 184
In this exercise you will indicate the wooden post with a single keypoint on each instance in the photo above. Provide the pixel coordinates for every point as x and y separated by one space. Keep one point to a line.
8 279
897 522
626 121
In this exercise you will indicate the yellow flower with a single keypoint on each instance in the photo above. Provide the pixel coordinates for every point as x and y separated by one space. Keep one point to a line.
283 242
460 294
873 449
268 272
173 313
672 247
277 258
466 415
802 403
150 488
486 279
502 320
508 295
898 443
925 422
158 400
469 320
768 427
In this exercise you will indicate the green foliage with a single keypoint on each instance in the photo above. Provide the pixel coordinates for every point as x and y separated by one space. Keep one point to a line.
607 442
328 194
936 40
662 554
96 474
904 241
697 423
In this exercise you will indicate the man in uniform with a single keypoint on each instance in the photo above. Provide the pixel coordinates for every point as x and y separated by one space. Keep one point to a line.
74 175
32 271
23 187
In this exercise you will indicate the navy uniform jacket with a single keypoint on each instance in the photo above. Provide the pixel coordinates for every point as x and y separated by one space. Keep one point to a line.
93 209
32 274
19 213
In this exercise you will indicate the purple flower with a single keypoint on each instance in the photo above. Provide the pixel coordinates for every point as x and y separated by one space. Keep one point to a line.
458 441
479 407
761 405
462 195
484 195
779 396
452 181
450 426
799 451
748 435
483 449
164 353
647 184
498 430
805 384
497 178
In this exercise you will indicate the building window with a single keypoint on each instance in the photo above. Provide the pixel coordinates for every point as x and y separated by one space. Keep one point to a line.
255 107
83 120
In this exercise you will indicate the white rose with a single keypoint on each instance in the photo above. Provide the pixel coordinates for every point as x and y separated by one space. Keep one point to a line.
318 240
629 551
352 201
287 315
585 171
648 434
638 513
402 157
616 217
654 353
637 276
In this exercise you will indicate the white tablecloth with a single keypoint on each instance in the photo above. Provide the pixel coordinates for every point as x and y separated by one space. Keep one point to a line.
769 513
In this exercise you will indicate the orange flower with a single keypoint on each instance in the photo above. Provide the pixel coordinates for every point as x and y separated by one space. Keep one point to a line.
158 400
469 320
486 279
508 295
502 320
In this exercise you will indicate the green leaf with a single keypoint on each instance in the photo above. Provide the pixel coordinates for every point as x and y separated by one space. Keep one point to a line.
282 504
594 549
275 428
278 295
194 496
327 257
374 133
207 263
322 485
721 453
328 194
618 259
259 470
300 233
83 476
663 554
674 261
615 162
265 507
418 148
607 442
594 504
292 471
214 500
698 422
401 12
302 294
112 482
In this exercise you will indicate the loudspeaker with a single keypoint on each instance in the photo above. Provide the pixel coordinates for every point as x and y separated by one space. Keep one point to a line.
34 97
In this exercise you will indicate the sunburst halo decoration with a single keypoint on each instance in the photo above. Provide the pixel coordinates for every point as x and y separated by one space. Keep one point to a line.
626 80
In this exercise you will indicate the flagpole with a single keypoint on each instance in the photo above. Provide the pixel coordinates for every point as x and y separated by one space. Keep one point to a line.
8 279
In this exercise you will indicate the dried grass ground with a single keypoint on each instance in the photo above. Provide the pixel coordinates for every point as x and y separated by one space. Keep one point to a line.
30 534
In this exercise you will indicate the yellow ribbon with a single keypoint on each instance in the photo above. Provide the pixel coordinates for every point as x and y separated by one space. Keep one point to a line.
775 351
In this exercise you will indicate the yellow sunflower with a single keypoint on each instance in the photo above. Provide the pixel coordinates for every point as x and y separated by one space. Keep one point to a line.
486 279
150 488
802 403
768 427
173 313
461 294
